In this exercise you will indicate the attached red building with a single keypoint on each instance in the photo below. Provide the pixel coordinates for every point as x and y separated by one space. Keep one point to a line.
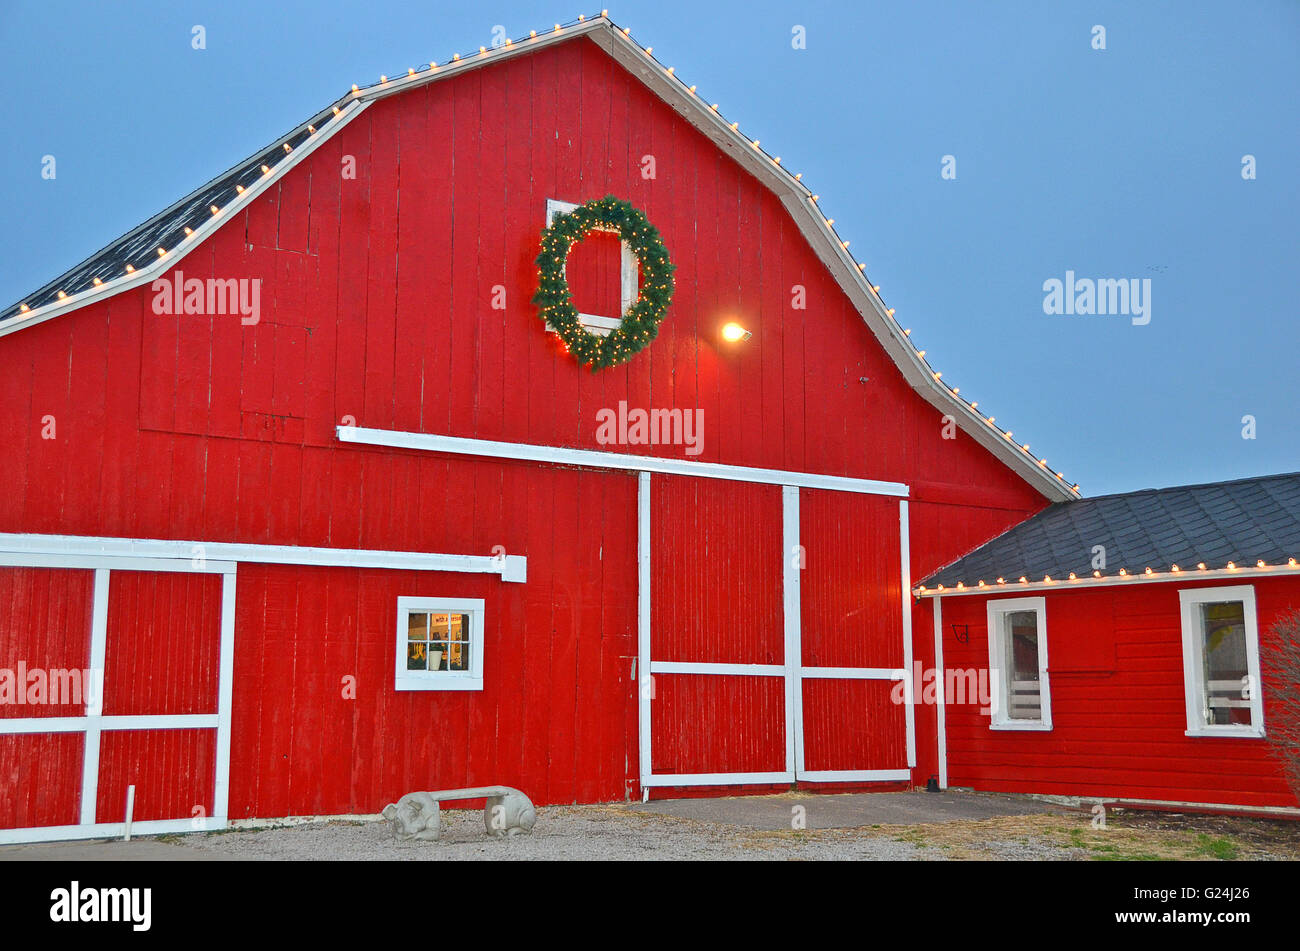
1133 641
296 468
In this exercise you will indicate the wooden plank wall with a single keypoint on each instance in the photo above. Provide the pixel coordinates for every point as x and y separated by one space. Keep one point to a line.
1118 715
45 616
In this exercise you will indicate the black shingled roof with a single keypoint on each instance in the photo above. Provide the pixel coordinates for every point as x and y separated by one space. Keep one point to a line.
139 246
1243 521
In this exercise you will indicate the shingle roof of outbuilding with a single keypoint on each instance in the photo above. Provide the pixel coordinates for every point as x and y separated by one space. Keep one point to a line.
1244 522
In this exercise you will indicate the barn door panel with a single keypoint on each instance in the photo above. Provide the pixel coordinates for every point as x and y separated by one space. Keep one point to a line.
45 621
717 698
137 655
163 661
854 721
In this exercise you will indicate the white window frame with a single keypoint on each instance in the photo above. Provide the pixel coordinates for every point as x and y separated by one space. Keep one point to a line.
999 712
471 679
1189 600
629 276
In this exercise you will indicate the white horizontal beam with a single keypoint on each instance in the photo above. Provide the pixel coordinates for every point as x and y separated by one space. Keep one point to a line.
716 779
855 775
109 830
82 551
46 559
684 667
596 459
853 673
180 721
1186 576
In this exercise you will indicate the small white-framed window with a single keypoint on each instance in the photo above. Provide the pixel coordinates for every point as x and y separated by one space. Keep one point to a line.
629 276
1221 662
1021 698
439 644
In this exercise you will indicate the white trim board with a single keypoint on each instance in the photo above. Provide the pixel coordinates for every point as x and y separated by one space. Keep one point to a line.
598 459
1183 576
84 551
940 698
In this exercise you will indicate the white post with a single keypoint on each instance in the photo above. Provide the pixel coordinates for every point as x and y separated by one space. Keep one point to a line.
130 808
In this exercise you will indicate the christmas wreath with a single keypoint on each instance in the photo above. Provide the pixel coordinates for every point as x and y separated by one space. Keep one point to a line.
641 321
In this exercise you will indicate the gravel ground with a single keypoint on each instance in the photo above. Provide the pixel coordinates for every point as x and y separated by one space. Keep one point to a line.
742 829
591 832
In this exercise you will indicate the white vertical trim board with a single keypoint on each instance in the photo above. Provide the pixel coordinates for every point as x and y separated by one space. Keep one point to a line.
645 681
909 701
792 603
225 700
94 714
940 699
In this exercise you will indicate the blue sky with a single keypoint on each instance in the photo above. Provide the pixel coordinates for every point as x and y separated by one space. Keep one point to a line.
1123 163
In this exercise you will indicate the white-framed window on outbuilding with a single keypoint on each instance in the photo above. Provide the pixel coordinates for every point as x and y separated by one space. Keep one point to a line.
1021 698
629 277
1221 662
439 644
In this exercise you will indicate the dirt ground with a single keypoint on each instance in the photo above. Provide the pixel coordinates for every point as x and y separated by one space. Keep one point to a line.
631 832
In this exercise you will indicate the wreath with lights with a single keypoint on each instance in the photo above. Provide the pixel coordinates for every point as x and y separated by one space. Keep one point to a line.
641 320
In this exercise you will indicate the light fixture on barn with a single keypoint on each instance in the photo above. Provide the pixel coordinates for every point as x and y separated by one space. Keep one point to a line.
732 332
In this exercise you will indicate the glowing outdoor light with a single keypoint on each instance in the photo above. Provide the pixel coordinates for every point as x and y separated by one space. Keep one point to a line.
732 332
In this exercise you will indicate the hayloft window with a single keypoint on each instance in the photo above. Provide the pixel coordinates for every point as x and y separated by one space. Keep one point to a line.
439 644
1020 695
1221 662
628 278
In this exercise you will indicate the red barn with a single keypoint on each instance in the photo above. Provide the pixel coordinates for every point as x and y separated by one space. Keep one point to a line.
308 507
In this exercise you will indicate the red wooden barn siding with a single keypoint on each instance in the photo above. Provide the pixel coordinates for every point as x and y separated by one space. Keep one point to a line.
557 715
851 616
1115 660
376 302
45 616
716 597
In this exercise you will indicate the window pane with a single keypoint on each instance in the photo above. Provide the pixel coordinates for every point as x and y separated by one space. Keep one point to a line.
438 655
1021 639
416 626
438 627
417 653
459 627
1223 648
459 655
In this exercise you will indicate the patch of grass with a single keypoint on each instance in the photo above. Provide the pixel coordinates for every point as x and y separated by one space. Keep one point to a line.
1216 847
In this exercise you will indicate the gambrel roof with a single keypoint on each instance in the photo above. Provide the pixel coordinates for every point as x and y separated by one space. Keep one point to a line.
156 245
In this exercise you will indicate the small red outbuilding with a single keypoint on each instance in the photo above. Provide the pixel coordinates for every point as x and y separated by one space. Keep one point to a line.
1129 647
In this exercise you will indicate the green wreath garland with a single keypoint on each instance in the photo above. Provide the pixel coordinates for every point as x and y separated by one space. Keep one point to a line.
641 321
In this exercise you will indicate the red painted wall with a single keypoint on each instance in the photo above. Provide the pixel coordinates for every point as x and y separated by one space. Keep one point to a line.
1115 664
376 305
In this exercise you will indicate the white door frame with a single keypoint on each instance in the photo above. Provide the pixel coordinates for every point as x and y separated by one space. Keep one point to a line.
791 668
92 723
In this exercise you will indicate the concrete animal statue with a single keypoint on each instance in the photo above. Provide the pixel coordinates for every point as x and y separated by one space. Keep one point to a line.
417 815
